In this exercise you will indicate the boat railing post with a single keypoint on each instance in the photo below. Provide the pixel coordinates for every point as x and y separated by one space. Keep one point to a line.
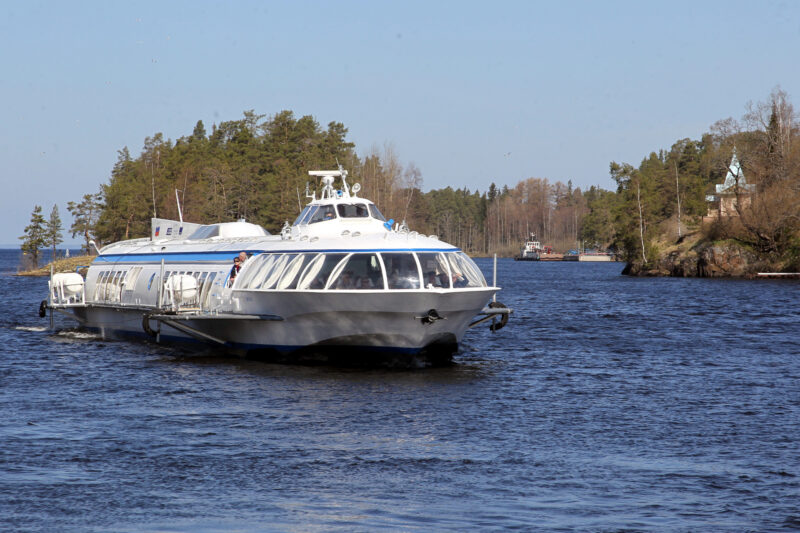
494 296
494 278
50 296
161 285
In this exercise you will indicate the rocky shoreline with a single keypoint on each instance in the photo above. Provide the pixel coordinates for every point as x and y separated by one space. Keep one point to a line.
69 264
725 259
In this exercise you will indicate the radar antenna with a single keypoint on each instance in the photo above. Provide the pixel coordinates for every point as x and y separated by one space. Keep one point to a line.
327 182
343 173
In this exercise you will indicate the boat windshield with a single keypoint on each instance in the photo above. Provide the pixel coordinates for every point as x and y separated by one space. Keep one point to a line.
464 272
435 270
402 270
360 271
302 215
357 272
325 212
376 213
352 210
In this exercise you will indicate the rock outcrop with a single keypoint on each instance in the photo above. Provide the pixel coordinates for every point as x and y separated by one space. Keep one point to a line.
728 261
705 260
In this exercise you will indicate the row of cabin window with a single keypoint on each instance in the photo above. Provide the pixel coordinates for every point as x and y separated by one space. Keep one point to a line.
359 271
110 284
204 281
318 213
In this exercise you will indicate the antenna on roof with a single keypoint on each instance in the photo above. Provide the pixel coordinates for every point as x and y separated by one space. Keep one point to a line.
178 200
327 181
343 173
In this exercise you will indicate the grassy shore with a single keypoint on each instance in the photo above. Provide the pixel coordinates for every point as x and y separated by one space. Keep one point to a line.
68 264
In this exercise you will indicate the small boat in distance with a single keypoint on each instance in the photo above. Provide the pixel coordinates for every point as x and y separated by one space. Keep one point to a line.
339 280
530 251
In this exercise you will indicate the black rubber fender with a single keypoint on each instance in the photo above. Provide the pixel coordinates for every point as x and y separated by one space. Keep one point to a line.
503 318
43 309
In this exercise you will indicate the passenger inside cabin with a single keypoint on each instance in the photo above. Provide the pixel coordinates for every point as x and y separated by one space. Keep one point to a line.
364 283
323 212
459 280
403 270
432 281
345 280
398 281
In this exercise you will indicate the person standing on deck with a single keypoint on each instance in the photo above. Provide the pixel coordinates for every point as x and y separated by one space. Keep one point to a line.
237 266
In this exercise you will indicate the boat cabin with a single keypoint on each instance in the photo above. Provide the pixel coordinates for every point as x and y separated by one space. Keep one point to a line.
338 212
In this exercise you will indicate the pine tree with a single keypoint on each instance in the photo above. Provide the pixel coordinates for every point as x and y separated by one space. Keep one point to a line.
85 214
199 133
35 236
53 230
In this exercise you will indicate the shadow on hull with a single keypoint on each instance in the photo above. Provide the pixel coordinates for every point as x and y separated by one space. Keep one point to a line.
434 355
349 353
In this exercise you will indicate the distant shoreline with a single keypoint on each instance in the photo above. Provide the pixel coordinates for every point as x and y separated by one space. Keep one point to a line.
66 264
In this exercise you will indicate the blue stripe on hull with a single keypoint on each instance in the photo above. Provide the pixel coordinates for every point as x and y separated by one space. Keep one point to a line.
225 256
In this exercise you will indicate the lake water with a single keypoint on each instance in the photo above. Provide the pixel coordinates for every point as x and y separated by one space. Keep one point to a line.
607 404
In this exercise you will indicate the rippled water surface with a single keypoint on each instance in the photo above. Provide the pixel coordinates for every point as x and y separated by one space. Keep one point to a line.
607 404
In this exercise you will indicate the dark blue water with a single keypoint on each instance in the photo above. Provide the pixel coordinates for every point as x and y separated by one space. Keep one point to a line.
607 404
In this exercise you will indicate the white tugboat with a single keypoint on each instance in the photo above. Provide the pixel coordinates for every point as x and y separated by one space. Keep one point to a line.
340 279
530 250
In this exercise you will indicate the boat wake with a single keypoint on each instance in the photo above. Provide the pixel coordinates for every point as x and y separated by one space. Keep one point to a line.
74 334
35 329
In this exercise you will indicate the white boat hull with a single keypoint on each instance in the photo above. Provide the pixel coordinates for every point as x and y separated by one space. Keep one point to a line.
372 320
341 278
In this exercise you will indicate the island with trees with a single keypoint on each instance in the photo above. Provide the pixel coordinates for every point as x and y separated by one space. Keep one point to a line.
662 218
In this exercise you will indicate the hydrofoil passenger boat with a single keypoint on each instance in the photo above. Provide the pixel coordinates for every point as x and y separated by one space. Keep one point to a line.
341 279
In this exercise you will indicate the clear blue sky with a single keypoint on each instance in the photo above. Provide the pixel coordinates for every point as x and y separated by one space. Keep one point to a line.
471 92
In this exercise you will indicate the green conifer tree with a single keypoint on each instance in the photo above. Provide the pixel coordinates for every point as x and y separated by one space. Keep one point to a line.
85 214
35 236
53 230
